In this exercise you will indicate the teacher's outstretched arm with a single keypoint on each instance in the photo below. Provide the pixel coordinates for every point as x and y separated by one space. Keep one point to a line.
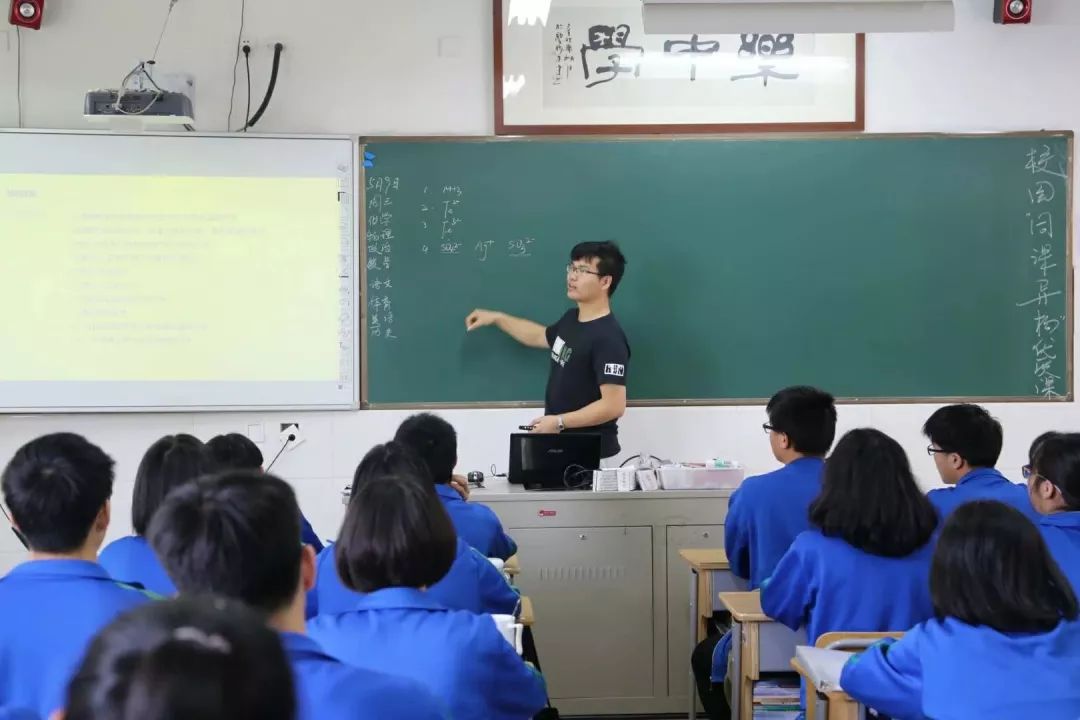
524 331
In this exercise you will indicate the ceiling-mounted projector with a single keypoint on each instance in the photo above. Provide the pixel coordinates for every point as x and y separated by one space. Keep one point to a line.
151 107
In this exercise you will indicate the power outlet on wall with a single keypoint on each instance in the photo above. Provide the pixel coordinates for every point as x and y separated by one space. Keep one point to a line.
290 430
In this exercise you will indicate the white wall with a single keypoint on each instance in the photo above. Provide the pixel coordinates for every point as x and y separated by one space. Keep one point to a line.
373 67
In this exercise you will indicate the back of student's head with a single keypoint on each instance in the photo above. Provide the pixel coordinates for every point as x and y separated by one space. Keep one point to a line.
184 659
869 497
807 416
171 461
610 261
967 430
396 531
234 451
991 567
1057 461
1033 449
236 534
434 441
55 487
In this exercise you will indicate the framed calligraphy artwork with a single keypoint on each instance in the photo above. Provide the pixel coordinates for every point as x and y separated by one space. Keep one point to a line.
587 67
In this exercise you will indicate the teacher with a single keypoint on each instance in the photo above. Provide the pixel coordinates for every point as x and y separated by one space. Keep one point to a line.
590 356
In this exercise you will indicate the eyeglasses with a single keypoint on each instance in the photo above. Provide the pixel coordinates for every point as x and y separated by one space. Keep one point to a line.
578 270
768 428
1029 472
932 451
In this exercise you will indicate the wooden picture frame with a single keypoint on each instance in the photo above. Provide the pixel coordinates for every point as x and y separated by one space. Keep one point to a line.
529 48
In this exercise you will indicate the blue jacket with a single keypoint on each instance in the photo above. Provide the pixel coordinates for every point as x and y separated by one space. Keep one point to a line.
462 657
472 584
1062 534
947 670
17 714
827 585
477 524
982 484
49 612
328 689
131 560
765 515
308 536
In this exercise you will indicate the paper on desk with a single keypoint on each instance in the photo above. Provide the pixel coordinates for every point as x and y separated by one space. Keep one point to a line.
823 666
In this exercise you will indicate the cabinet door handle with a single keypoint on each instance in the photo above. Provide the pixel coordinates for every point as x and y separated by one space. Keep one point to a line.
705 535
582 536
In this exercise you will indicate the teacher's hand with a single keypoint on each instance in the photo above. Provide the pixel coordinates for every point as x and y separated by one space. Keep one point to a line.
549 424
480 318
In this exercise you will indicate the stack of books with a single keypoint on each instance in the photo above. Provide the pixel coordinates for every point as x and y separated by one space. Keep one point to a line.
777 699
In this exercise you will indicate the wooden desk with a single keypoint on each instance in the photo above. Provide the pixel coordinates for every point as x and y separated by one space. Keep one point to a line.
527 617
704 563
511 567
841 706
758 644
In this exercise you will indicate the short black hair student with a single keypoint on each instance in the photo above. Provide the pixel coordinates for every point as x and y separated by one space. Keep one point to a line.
170 462
434 441
397 540
965 442
236 535
210 659
234 451
57 488
1054 487
1002 643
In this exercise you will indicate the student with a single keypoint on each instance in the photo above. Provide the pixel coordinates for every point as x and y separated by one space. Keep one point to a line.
1053 478
237 452
170 462
965 442
57 489
234 535
397 540
205 659
435 441
1003 641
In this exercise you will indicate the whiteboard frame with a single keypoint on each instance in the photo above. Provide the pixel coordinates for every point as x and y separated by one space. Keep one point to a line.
358 381
1068 135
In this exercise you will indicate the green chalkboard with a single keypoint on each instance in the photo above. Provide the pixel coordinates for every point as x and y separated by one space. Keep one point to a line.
877 267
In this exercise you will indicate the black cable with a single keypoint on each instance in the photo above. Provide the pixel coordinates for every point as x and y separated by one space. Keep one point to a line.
18 73
284 445
164 27
247 67
278 48
236 63
581 470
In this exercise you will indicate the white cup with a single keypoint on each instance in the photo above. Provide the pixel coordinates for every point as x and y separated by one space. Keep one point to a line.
511 630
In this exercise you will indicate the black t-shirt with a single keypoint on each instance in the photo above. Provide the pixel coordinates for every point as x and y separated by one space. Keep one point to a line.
584 356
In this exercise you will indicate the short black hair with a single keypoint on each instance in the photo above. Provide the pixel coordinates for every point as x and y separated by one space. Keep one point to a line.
1057 459
610 260
171 461
203 658
807 416
869 497
55 486
234 451
434 441
992 567
967 430
1033 449
236 534
396 531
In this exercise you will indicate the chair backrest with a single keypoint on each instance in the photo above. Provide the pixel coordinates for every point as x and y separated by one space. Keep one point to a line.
853 640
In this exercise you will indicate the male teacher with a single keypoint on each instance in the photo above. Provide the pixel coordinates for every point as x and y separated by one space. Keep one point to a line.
590 357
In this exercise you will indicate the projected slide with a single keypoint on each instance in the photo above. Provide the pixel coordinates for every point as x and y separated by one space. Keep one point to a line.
172 289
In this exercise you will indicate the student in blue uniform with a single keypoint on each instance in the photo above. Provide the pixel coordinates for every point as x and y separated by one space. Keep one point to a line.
168 463
1003 641
1054 486
965 442
396 541
435 441
205 659
767 512
234 451
865 564
235 535
57 489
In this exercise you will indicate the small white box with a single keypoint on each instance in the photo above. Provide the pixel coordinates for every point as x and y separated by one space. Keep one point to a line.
685 477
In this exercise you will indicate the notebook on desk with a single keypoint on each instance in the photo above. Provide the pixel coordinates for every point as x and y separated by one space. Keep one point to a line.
823 667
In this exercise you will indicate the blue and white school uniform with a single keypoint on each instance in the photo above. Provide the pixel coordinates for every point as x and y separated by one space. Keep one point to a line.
766 514
982 484
1061 531
947 670
472 584
132 560
477 524
49 612
328 689
462 657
